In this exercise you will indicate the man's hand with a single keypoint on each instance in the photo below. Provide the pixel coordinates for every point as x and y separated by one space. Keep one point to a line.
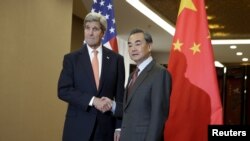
117 135
107 106
102 104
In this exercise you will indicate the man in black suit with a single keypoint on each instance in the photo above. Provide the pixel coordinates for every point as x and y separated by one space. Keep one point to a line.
92 94
146 98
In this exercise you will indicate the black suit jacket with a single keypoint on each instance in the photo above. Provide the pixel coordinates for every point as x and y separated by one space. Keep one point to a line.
76 86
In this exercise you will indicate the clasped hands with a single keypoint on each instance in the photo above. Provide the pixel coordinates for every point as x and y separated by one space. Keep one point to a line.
103 104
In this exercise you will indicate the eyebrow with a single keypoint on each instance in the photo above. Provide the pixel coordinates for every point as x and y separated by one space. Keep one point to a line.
137 41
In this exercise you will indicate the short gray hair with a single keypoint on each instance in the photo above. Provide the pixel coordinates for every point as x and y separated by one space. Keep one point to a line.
96 17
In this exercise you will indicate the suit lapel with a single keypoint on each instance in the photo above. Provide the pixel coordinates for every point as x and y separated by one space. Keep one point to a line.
126 89
105 67
138 82
85 63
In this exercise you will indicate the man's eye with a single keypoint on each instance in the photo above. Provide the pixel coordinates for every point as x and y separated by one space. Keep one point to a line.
95 29
137 44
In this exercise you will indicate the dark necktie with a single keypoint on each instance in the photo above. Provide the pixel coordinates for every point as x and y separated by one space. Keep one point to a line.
132 81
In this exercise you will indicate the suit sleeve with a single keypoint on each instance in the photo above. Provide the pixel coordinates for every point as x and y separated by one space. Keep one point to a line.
119 90
66 86
160 96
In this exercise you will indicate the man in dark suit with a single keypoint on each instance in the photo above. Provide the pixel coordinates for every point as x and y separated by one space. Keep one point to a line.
146 101
92 93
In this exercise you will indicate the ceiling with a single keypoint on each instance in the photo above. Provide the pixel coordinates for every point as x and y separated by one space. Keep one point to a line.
230 17
226 21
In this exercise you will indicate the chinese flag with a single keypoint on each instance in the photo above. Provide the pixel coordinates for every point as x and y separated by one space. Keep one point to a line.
195 101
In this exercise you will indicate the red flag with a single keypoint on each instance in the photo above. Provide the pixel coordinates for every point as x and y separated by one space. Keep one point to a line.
195 101
105 7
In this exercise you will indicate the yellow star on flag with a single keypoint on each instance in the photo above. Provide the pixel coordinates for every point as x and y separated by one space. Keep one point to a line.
209 36
177 45
195 48
186 4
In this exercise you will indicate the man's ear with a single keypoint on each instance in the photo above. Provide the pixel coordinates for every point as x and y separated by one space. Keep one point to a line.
150 46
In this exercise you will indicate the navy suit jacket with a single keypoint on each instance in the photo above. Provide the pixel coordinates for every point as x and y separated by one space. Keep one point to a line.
76 86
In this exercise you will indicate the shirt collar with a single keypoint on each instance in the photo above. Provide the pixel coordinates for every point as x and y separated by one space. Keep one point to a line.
143 65
90 50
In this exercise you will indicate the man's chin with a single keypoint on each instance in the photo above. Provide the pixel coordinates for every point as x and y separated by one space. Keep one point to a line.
92 45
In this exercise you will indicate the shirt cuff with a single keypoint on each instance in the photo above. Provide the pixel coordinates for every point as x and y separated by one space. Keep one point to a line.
118 129
91 101
113 107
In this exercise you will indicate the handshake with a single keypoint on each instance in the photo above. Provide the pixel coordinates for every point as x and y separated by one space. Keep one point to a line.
103 104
